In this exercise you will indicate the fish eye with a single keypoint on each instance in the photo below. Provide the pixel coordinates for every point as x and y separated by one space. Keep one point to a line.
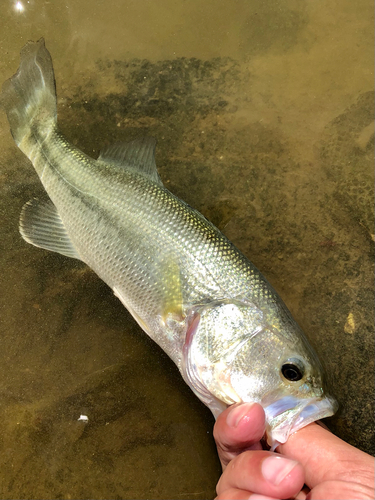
292 370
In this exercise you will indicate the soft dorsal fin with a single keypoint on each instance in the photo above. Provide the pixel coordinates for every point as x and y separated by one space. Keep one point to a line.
41 225
138 154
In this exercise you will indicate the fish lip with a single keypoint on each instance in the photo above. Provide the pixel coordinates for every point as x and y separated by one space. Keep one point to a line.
290 414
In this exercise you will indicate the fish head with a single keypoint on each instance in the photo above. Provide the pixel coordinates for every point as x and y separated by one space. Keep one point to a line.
239 353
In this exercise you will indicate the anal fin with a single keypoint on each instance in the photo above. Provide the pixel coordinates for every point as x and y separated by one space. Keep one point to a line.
41 225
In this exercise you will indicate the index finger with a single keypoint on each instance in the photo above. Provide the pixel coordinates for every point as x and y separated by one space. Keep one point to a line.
240 427
325 457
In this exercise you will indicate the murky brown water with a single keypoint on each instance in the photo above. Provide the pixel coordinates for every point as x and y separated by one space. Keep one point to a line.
264 118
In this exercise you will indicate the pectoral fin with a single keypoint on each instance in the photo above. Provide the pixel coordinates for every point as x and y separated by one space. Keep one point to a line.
41 225
172 300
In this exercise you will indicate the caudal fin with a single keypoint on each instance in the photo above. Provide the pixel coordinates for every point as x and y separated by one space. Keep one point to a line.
29 97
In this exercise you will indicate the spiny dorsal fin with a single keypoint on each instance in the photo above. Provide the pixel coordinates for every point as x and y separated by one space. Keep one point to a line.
41 225
138 154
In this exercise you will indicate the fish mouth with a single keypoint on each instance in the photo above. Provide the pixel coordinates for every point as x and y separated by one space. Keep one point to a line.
289 414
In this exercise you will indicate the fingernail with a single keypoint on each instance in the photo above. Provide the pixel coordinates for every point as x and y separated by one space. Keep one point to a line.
275 469
236 415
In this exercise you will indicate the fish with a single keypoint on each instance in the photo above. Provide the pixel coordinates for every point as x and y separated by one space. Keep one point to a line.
187 286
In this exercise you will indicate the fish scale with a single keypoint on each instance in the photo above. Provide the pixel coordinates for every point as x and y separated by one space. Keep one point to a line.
184 282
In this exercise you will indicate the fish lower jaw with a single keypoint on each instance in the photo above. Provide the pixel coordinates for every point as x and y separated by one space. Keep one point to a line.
288 415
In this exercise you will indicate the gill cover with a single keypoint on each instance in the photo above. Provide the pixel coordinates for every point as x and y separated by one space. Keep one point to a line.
217 332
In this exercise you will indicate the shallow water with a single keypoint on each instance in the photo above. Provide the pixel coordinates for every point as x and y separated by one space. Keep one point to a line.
264 119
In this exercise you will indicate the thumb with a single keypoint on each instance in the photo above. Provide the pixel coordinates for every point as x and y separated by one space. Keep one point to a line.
325 457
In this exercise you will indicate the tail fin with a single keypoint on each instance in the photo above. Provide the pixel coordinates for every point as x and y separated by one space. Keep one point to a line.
29 97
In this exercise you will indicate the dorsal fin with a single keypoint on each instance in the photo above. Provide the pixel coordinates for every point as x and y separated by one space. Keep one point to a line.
138 154
41 225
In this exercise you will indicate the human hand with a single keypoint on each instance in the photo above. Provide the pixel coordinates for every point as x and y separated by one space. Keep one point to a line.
331 468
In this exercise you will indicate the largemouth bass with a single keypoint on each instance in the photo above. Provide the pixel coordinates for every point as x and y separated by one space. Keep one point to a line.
185 283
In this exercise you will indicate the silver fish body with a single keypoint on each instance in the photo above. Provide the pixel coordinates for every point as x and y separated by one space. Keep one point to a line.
184 282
